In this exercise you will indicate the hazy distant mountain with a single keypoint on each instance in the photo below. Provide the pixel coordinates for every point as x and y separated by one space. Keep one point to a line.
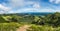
31 13
35 13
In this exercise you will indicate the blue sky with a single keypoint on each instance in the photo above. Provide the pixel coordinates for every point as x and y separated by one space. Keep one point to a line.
22 6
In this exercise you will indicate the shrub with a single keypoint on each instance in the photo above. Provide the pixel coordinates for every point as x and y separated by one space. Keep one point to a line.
40 28
9 26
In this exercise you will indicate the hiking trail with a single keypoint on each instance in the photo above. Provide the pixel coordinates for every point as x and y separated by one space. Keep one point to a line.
23 28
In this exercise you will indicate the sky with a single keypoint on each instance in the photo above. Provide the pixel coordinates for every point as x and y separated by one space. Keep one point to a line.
24 6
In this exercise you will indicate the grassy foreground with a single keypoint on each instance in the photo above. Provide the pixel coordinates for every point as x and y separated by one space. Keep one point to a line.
43 28
15 26
50 22
9 26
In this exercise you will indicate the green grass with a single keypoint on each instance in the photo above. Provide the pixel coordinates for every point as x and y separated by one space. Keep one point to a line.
43 28
9 26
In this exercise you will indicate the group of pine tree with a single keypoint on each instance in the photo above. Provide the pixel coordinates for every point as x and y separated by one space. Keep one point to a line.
50 19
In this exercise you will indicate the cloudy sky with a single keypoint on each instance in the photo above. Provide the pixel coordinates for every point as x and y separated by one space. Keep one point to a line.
22 6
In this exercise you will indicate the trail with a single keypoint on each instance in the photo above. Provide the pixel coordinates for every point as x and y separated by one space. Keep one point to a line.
23 28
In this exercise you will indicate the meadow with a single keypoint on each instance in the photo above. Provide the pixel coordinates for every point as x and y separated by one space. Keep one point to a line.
49 22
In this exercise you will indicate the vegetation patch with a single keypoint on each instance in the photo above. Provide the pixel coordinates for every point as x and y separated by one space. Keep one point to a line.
9 26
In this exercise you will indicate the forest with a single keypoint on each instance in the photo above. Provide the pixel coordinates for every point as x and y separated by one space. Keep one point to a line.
49 22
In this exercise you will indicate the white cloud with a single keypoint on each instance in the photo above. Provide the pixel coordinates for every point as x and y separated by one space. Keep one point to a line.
22 3
47 10
57 10
25 10
55 1
51 0
4 9
36 5
16 3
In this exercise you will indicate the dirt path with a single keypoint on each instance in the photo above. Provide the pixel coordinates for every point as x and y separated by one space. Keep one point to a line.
23 28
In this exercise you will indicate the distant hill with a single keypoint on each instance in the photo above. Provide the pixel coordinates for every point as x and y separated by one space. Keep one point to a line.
35 13
29 13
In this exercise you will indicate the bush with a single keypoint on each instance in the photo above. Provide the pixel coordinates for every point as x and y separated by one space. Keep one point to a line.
42 28
49 19
9 26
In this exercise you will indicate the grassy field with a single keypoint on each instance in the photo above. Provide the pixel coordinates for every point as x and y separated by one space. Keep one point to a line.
50 22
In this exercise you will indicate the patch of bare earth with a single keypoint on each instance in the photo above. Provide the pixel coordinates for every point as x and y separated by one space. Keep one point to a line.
23 28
